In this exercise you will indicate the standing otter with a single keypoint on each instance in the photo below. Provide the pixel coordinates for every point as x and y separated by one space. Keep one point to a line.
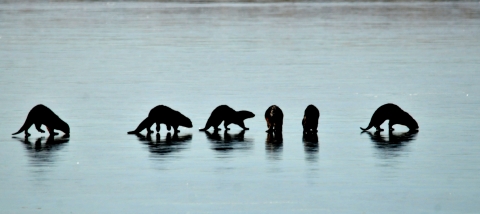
274 118
394 114
41 114
227 115
163 114
310 119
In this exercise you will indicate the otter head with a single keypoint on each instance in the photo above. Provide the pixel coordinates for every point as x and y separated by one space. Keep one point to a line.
410 122
65 129
245 114
186 122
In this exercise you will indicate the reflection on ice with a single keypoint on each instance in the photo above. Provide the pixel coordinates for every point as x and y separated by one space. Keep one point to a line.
164 148
229 142
395 143
310 143
43 154
274 145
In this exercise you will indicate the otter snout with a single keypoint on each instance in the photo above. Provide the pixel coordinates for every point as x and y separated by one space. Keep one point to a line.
189 124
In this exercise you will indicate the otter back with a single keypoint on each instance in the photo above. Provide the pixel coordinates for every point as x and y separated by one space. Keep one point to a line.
274 118
310 119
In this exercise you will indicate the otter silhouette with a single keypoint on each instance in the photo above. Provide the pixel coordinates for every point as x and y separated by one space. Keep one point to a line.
310 119
227 115
274 118
394 114
163 114
41 114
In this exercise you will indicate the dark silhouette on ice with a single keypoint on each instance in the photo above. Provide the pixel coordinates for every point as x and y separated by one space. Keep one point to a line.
163 114
42 115
227 115
310 119
274 118
394 114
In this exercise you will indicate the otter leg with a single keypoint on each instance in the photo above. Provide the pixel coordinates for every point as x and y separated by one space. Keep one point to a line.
314 127
175 129
269 125
38 126
278 127
169 127
158 127
378 128
390 125
51 131
225 124
242 125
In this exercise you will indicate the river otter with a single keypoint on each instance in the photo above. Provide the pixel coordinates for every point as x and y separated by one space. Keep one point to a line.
163 114
394 114
41 114
227 115
274 118
310 119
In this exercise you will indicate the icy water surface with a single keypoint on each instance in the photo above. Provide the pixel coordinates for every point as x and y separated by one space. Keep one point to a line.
102 66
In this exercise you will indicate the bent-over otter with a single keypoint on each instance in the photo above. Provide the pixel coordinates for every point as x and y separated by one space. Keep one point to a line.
274 118
41 114
310 119
394 114
227 115
163 114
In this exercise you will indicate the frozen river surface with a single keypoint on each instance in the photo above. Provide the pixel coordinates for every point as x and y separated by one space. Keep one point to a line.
102 66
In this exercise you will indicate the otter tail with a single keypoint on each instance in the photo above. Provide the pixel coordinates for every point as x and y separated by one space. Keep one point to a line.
143 125
365 129
19 131
207 125
206 128
25 126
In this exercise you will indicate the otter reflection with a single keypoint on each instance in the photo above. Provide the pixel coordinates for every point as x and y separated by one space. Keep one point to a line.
274 144
310 144
396 141
42 154
228 142
164 147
